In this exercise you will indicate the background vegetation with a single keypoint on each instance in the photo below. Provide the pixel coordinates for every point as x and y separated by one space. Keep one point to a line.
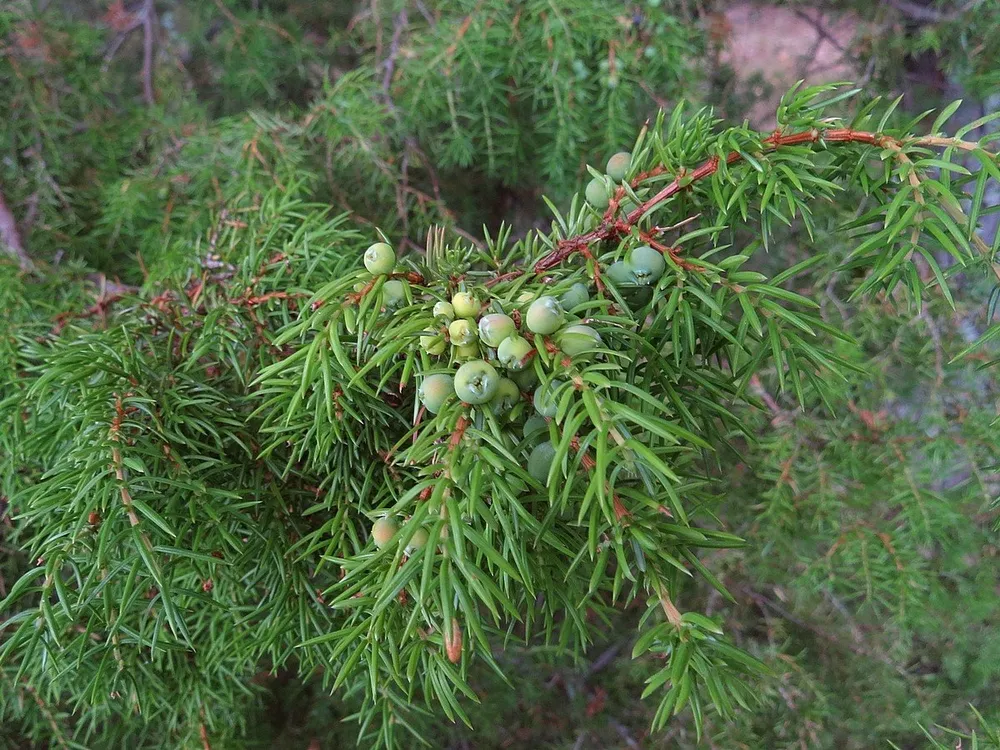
154 154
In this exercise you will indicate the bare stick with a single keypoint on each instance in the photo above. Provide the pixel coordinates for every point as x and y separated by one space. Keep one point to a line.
390 61
148 19
919 12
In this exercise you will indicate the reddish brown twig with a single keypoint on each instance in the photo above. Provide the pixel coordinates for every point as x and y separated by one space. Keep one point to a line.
111 292
611 226
456 437
253 301
453 642
509 276
116 458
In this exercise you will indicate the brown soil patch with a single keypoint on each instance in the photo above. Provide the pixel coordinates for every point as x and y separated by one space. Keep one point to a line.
785 45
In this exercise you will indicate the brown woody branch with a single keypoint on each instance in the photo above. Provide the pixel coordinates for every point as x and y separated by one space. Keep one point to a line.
612 227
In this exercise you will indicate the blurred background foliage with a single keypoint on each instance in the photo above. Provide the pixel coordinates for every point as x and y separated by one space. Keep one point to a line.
132 133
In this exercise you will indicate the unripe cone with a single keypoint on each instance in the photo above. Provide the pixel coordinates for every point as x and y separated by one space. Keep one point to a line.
495 328
418 540
535 425
462 332
540 461
545 316
618 165
646 264
544 399
476 382
526 379
444 310
466 305
575 296
621 274
380 259
637 296
466 351
433 344
596 194
383 530
506 397
577 339
434 390
512 352
393 293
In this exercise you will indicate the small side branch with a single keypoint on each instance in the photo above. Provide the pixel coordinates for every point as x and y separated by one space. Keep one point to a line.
148 19
612 227
125 24
390 62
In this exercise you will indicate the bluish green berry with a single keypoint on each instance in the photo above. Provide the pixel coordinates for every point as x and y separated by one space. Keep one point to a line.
476 382
540 461
575 296
647 264
535 425
618 165
495 328
434 391
393 293
462 332
433 344
383 531
512 351
578 339
380 259
544 399
444 311
466 305
596 194
506 397
545 316
620 274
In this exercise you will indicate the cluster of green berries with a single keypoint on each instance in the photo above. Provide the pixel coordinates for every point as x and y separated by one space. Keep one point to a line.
643 266
485 351
384 530
482 343
380 260
598 191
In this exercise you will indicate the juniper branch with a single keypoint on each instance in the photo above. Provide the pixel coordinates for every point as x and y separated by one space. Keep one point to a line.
612 227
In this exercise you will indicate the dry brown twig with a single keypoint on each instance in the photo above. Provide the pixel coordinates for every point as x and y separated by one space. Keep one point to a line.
145 19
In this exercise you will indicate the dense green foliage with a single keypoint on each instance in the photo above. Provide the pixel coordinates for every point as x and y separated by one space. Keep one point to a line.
749 439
